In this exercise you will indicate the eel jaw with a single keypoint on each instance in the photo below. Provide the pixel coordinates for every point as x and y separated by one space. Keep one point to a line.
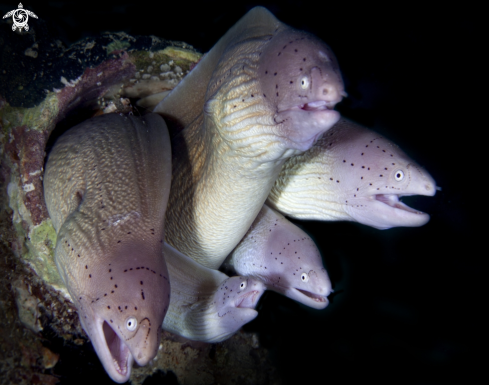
304 123
112 351
384 211
248 300
318 105
119 351
308 298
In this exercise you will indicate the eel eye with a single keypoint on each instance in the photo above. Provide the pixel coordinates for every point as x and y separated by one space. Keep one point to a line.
131 324
304 277
304 82
399 175
242 286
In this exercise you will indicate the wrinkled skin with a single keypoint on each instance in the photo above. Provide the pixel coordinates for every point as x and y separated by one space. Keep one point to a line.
106 186
354 174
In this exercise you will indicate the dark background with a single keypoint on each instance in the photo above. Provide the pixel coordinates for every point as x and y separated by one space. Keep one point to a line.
408 304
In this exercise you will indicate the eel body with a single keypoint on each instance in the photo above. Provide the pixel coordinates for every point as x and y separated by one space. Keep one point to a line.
207 305
106 187
352 174
284 257
263 93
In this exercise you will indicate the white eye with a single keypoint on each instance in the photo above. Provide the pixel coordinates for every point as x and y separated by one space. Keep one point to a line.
242 286
131 324
305 82
304 277
399 175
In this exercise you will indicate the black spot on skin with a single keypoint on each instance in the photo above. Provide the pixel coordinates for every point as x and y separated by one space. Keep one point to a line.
110 270
118 241
115 286
141 282
111 278
125 271
105 295
135 308
89 275
275 74
86 267
108 307
142 295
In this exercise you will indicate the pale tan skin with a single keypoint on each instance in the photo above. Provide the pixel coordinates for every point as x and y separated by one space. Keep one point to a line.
232 129
284 257
352 174
207 305
106 186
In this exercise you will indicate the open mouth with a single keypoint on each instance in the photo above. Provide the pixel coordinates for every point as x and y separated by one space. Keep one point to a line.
248 300
319 105
118 350
393 201
315 297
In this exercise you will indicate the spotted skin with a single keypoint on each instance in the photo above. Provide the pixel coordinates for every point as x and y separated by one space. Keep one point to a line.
284 257
206 305
234 124
106 186
353 174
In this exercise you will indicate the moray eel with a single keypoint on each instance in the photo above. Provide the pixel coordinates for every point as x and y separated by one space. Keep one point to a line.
284 257
106 187
352 174
206 305
263 93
